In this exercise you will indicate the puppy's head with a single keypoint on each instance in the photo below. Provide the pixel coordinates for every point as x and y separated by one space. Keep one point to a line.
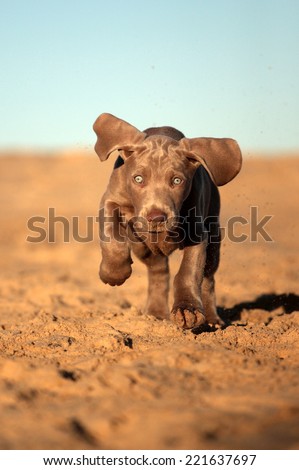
159 168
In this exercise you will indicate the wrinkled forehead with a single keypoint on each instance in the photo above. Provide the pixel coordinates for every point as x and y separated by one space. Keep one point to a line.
160 152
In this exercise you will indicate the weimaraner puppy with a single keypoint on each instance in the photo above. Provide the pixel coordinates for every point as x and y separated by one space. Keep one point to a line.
163 195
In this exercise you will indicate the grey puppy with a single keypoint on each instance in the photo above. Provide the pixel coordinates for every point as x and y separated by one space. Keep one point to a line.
162 195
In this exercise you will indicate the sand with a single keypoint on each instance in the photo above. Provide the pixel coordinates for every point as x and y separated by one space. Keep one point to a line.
81 367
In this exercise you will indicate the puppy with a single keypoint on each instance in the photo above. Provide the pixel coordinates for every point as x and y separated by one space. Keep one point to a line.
163 196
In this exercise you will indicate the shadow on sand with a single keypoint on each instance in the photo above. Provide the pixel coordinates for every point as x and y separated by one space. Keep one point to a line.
269 302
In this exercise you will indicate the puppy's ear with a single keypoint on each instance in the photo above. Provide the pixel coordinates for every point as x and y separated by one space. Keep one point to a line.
221 157
115 134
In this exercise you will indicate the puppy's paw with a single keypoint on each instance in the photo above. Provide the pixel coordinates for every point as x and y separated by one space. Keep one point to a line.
115 274
187 317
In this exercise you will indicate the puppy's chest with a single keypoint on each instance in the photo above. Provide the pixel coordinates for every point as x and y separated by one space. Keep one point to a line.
160 243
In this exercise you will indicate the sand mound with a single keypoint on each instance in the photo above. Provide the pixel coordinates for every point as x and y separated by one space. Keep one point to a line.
81 366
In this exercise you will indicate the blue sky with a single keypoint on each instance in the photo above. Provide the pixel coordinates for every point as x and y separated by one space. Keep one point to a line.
208 67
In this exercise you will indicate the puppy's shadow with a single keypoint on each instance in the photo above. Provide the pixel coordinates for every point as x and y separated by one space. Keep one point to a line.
269 302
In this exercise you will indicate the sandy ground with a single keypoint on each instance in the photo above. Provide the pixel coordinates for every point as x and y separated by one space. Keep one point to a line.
82 368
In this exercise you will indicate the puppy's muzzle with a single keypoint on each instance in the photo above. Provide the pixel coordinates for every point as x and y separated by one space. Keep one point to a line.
155 220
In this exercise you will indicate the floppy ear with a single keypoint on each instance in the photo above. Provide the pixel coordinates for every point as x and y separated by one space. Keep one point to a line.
221 157
115 134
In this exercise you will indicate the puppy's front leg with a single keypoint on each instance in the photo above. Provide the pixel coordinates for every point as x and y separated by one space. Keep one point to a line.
187 311
116 262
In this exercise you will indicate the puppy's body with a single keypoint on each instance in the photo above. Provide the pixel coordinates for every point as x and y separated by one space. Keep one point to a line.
162 195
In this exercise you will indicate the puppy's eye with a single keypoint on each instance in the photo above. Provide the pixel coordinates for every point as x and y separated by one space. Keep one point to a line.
176 180
138 179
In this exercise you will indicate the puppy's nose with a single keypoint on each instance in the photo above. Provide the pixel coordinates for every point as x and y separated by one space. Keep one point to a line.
156 216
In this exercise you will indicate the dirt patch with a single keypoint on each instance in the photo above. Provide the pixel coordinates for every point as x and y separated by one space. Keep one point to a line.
83 368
